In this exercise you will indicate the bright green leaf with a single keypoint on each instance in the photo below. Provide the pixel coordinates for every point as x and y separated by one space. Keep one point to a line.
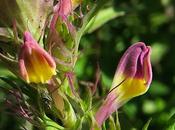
102 17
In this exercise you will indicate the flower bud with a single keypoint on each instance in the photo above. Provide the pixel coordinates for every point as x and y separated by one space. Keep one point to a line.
135 70
132 78
35 64
65 7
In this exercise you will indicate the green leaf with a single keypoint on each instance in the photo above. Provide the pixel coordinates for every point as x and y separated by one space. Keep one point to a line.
29 14
104 126
6 34
95 9
9 81
117 122
76 105
171 123
21 86
87 122
112 123
69 118
102 17
147 124
51 125
86 99
78 124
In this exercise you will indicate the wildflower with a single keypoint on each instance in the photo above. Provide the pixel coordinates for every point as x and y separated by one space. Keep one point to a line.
35 64
132 78
65 7
62 10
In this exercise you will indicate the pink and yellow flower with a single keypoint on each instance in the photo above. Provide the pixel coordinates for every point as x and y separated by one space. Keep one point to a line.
35 64
132 78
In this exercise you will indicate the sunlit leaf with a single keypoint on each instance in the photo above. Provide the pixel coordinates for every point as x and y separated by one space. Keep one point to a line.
103 17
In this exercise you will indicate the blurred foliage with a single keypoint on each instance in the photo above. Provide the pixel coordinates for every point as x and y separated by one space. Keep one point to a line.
149 21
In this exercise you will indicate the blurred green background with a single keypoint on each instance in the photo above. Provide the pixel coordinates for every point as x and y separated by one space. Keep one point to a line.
149 21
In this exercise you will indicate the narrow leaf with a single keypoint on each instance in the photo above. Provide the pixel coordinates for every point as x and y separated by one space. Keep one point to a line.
102 17
147 124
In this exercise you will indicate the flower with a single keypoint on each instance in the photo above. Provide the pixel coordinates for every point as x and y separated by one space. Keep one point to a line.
62 10
132 78
35 64
65 7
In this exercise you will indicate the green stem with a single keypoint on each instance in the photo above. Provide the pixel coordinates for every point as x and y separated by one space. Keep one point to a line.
117 122
87 18
39 102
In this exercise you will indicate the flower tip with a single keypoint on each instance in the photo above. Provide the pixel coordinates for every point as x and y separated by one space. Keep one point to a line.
27 36
149 49
148 68
135 68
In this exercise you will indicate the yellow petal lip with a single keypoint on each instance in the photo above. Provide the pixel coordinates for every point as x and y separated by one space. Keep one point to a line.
36 65
131 87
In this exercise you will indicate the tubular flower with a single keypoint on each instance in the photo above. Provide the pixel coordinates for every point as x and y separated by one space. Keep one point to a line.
35 64
65 7
62 10
132 78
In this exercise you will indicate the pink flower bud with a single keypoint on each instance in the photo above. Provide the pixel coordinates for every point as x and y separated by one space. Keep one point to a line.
132 78
35 64
63 7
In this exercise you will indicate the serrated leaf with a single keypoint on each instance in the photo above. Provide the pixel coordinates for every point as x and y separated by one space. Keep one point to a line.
101 18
